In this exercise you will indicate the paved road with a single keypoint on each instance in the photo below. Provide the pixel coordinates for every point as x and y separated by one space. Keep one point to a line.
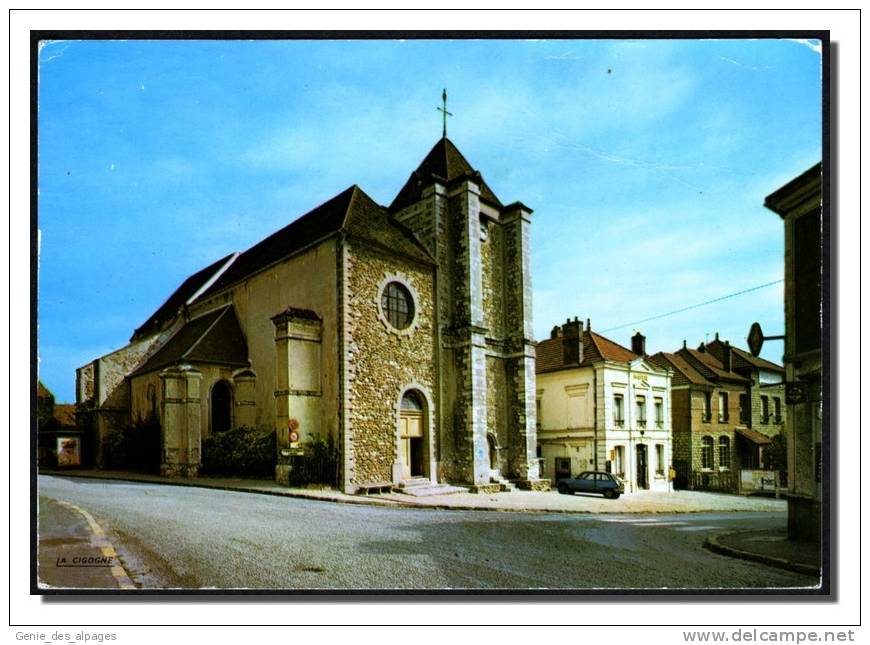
171 536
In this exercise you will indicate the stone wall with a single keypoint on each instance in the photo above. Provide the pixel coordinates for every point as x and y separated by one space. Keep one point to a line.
492 265
497 407
770 427
85 384
381 363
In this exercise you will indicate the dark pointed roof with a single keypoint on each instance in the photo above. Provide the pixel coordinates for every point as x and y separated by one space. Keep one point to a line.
215 338
169 309
444 162
351 211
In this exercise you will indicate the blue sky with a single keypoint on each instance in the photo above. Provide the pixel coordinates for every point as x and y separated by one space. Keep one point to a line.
646 163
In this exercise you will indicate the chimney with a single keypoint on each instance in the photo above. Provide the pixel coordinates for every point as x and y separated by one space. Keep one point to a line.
638 344
702 347
556 332
726 356
572 342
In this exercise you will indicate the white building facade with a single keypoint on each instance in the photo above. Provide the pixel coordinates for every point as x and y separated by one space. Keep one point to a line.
602 407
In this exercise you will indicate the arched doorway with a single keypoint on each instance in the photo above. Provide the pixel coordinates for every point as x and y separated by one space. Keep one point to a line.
221 407
411 424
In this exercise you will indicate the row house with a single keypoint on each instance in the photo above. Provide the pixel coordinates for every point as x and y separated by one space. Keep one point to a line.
762 406
602 406
712 439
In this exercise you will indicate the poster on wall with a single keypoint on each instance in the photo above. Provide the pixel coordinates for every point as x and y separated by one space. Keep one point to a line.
68 451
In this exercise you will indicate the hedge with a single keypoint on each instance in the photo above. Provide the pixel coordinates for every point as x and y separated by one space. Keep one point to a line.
240 451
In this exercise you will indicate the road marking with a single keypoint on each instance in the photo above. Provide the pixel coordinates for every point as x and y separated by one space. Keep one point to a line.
697 528
106 548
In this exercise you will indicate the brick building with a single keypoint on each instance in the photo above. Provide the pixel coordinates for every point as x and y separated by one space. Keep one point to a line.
404 333
602 406
762 407
710 440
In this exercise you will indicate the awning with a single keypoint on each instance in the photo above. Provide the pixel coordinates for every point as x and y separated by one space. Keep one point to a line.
754 436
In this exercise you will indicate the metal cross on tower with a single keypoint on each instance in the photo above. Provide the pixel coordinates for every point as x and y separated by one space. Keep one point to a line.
444 113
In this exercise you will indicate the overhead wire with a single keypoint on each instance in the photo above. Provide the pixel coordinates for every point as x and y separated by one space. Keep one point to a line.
700 304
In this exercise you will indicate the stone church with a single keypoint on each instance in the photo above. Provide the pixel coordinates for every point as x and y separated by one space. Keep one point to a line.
403 332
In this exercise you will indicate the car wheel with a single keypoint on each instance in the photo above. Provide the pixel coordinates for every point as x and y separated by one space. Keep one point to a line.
563 489
610 494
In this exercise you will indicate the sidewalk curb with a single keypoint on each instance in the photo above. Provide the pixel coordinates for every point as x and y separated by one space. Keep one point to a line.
341 498
713 544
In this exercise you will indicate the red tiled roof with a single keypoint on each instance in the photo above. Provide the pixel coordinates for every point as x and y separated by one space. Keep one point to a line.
596 348
42 392
65 414
607 349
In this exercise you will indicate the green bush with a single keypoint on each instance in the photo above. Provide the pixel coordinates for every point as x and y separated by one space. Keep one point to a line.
319 464
240 451
134 447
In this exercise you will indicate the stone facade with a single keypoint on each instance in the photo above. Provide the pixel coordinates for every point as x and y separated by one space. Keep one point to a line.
484 332
383 364
292 335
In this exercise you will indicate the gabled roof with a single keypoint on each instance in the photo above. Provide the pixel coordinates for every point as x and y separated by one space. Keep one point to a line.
742 359
446 163
709 365
213 338
351 211
684 373
596 348
169 309
757 361
692 367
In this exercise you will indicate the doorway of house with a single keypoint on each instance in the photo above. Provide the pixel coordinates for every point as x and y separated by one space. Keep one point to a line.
562 468
642 472
221 407
411 436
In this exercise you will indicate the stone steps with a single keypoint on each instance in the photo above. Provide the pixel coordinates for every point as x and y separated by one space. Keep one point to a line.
422 487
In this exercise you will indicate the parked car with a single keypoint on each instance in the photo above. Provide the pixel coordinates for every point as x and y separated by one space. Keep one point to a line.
592 481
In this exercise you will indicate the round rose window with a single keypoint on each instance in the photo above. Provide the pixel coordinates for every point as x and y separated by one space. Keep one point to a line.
398 305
